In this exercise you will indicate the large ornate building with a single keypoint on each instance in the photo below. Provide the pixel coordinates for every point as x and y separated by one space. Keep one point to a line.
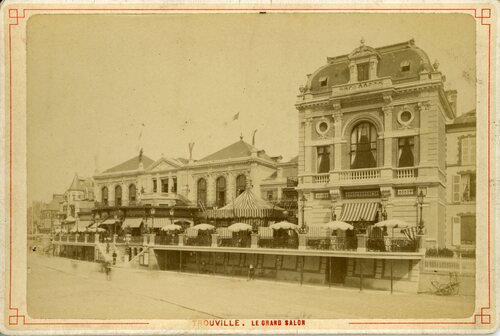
372 136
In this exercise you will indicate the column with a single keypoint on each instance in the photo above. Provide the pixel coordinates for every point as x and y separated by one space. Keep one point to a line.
353 72
111 194
308 149
387 131
373 67
124 193
170 183
337 140
158 184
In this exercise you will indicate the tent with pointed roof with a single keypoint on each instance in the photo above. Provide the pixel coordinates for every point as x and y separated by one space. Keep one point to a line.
247 205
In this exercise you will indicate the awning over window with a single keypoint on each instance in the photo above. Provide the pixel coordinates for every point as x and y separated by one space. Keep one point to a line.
132 223
356 212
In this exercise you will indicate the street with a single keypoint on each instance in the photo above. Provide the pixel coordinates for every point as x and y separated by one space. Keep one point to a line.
63 288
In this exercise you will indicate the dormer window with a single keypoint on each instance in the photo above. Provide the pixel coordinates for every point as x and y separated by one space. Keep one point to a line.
405 66
363 71
323 81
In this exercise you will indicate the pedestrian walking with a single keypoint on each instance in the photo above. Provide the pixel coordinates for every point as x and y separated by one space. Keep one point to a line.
114 257
251 272
107 269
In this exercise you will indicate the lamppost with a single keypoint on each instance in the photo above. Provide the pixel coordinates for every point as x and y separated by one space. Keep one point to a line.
152 212
420 202
303 201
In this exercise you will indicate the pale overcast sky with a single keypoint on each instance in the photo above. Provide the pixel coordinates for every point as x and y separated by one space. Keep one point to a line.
101 87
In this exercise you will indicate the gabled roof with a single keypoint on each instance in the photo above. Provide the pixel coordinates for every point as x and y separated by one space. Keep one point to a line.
132 164
239 149
80 183
294 160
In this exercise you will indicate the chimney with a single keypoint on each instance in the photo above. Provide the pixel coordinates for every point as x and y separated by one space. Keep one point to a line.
451 95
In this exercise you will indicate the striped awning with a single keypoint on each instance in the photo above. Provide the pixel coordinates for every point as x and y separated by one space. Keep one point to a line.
132 223
247 205
157 223
356 212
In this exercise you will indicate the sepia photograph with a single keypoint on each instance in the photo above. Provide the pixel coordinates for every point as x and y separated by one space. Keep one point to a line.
249 170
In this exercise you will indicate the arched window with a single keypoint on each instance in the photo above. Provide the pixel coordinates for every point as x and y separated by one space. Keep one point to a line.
241 184
118 195
132 194
363 146
104 197
220 191
202 191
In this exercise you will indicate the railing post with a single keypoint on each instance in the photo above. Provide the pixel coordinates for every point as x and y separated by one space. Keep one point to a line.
96 237
215 238
114 238
144 239
254 240
181 239
76 237
86 238
152 239
361 242
302 241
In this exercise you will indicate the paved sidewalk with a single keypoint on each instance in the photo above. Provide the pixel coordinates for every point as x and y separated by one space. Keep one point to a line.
62 288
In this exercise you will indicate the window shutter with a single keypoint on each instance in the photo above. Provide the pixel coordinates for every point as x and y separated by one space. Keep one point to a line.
456 188
455 230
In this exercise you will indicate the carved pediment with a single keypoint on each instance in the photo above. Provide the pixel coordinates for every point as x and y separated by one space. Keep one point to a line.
164 164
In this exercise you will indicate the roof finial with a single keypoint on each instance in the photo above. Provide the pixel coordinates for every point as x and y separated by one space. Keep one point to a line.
241 136
362 41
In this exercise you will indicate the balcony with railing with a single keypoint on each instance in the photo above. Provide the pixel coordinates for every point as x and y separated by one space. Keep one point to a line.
405 173
359 174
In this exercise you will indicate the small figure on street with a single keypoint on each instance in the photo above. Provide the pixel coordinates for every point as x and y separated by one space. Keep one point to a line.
251 272
107 247
114 257
107 269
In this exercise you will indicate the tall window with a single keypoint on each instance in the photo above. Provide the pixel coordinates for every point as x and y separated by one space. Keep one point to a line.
363 70
132 193
104 197
363 146
202 191
174 185
241 184
469 187
220 191
155 187
464 188
323 155
164 186
406 156
468 150
118 195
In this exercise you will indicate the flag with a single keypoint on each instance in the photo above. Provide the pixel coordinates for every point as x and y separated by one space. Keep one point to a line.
236 116
140 156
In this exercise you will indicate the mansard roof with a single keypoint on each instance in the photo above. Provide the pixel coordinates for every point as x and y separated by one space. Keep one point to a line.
390 58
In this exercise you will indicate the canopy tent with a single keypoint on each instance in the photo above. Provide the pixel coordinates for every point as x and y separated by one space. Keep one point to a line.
69 219
157 222
284 225
94 229
247 205
356 212
237 227
171 227
392 223
203 227
338 225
